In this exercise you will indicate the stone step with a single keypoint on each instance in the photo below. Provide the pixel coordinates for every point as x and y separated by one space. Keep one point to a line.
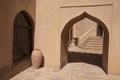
84 50
94 44
91 51
93 48
95 37
91 45
91 40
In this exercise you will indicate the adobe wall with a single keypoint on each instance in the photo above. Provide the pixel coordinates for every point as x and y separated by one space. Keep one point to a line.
103 13
8 11
83 26
52 15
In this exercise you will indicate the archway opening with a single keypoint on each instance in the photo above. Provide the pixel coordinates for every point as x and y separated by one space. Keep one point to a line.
23 36
68 39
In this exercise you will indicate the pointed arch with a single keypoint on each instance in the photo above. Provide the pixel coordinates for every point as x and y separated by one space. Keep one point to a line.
22 36
65 38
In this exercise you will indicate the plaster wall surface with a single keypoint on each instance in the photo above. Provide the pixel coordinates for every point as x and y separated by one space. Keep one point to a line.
8 10
103 13
115 43
83 26
46 35
52 15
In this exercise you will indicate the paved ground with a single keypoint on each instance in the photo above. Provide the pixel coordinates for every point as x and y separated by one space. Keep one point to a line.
72 71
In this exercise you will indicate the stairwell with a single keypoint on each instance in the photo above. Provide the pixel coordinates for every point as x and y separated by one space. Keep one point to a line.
90 45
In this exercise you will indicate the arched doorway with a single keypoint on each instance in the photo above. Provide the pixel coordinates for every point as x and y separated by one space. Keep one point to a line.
65 39
23 36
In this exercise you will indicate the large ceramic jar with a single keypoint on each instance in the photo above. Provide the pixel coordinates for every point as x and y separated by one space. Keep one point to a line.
36 58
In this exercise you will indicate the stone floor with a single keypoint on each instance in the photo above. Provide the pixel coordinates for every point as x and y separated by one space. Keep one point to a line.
72 71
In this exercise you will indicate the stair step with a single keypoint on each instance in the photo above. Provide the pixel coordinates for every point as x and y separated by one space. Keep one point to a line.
91 45
96 37
84 50
99 43
91 51
91 48
94 40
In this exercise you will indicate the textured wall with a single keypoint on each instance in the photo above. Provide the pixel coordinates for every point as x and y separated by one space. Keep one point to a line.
8 11
53 15
83 26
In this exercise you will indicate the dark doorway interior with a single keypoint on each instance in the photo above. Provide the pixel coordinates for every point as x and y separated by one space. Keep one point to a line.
23 37
99 31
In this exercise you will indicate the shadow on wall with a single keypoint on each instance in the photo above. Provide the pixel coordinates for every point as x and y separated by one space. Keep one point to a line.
95 59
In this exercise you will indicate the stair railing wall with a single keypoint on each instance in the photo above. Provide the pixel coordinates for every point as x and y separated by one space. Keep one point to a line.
90 33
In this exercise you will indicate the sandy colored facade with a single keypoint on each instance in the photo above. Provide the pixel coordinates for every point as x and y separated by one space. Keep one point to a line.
8 11
59 13
80 28
53 19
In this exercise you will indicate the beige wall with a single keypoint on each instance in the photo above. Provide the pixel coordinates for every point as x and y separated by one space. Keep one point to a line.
52 15
103 13
82 27
46 35
114 57
8 11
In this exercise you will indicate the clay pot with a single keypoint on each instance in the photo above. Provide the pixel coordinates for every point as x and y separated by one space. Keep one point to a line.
36 58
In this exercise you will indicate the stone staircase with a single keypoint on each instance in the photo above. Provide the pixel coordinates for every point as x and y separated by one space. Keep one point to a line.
90 45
